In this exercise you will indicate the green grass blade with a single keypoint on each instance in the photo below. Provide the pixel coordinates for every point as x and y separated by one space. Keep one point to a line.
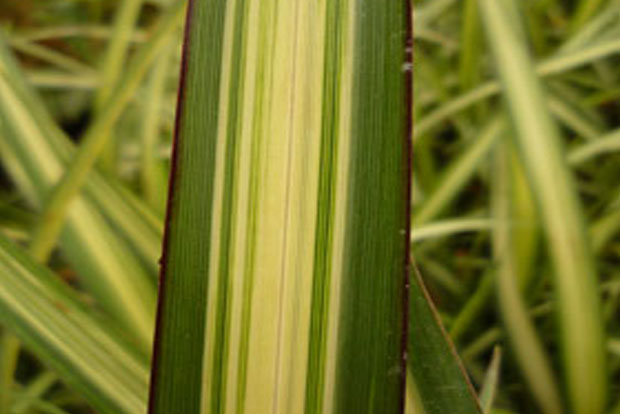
459 173
59 330
53 79
33 391
525 238
9 354
440 379
605 19
115 55
604 229
60 31
444 228
475 305
526 231
585 10
469 61
152 173
140 226
54 58
600 232
554 65
112 67
57 203
103 260
603 144
571 118
283 282
513 267
560 213
491 381
430 10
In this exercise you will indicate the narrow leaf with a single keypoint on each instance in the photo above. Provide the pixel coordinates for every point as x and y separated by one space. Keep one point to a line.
449 227
9 354
491 381
539 142
585 10
103 259
63 333
458 174
440 380
59 199
556 64
512 267
113 62
283 286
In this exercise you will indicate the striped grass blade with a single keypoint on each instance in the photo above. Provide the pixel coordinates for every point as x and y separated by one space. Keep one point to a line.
101 257
56 325
283 281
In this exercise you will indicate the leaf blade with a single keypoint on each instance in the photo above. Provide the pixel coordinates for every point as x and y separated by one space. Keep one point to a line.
286 159
582 335
436 370
86 352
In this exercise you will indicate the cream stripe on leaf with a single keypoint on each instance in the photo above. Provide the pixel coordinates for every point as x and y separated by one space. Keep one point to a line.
283 280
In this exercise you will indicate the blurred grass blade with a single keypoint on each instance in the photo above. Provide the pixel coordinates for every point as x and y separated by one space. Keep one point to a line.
525 230
104 261
34 391
114 61
42 144
526 241
604 229
56 326
53 79
474 306
52 57
554 65
585 10
439 378
538 139
57 202
115 56
444 228
283 280
469 60
604 144
491 381
458 174
430 10
9 354
604 20
571 118
513 267
152 172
